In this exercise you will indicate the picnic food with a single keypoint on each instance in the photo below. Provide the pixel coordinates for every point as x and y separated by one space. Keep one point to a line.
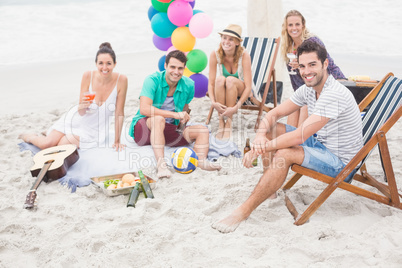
126 181
128 178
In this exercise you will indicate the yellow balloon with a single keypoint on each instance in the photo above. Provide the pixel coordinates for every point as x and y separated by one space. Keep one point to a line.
182 39
187 72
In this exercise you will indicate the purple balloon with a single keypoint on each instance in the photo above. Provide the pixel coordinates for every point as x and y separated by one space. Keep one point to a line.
200 85
162 43
192 4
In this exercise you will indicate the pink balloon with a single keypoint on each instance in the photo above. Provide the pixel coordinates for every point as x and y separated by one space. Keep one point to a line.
201 25
179 12
170 49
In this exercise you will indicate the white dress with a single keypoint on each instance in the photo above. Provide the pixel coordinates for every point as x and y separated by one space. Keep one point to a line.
92 128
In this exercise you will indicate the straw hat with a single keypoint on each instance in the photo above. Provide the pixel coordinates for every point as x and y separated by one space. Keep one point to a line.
232 30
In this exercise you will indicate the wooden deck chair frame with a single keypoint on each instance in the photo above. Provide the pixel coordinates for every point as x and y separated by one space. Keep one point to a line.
259 67
389 192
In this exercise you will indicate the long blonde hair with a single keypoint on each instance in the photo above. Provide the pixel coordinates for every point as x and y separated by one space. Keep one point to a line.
287 41
238 52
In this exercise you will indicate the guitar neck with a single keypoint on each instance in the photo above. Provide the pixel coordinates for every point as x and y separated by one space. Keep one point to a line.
30 199
42 174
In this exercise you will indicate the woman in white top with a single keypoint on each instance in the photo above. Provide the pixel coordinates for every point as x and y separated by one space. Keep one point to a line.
229 78
86 125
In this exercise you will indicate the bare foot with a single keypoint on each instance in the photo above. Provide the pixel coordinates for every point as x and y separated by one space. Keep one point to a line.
163 171
230 223
27 137
273 196
206 165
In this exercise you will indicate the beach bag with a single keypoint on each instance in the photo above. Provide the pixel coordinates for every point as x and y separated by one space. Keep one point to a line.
270 95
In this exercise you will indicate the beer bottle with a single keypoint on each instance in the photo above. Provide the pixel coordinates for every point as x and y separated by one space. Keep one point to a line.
247 148
145 185
135 193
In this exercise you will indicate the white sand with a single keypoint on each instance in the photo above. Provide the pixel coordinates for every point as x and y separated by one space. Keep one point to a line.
89 229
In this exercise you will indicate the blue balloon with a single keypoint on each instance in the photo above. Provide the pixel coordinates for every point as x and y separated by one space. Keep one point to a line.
195 11
151 12
161 63
162 26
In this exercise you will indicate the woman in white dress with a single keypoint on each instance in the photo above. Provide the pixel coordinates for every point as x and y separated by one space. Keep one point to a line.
86 125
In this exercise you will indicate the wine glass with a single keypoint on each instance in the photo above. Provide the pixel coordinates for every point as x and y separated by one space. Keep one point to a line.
291 57
90 97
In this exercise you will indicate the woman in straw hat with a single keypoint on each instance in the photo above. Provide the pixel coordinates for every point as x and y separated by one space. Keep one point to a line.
229 78
294 32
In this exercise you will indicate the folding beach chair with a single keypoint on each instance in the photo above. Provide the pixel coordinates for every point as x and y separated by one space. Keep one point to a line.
263 52
383 113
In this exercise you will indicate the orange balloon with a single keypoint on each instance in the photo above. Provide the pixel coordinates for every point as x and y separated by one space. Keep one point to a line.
182 39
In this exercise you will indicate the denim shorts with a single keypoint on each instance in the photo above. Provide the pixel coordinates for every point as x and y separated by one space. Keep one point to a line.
318 158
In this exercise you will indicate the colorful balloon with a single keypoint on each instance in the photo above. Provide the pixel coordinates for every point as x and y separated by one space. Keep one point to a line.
164 1
197 60
180 13
182 39
200 85
170 49
162 43
187 72
192 3
196 11
201 25
161 63
161 25
161 7
151 12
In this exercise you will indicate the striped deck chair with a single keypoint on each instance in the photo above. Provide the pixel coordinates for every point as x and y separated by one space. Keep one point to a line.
384 111
263 52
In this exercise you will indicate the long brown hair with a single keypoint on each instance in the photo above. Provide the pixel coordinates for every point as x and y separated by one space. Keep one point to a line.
238 52
286 39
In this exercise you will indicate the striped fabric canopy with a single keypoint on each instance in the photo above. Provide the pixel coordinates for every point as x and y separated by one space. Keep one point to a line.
261 51
387 101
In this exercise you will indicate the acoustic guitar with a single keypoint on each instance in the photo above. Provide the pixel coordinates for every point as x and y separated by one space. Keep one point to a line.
50 164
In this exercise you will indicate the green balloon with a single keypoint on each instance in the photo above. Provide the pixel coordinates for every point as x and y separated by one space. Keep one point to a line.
197 60
160 6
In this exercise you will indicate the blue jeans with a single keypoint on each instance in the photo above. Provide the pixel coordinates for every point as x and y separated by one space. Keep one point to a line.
318 158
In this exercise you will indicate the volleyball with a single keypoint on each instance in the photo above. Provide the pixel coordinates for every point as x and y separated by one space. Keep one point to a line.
184 160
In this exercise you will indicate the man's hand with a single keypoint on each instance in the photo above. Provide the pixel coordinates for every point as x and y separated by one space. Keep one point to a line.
259 145
249 158
184 117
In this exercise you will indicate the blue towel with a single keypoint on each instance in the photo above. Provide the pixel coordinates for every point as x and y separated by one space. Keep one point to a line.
106 161
219 148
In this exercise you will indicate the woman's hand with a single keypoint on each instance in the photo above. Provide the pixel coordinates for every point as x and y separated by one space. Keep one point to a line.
249 158
219 107
83 106
294 64
119 146
230 111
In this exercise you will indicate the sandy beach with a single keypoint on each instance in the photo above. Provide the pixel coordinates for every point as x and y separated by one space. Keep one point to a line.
89 229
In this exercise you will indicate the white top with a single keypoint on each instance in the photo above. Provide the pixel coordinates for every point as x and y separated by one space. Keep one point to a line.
342 135
92 128
239 66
